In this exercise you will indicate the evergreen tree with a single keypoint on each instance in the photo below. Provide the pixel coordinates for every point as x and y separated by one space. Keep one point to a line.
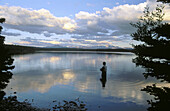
5 64
164 1
155 43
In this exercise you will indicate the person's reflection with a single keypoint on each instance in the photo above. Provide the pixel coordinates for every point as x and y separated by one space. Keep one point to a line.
104 73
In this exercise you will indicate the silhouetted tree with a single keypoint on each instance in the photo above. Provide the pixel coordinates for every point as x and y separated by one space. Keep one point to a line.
164 1
155 42
153 54
5 64
161 96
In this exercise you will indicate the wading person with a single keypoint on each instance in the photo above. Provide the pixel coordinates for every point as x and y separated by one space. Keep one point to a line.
103 76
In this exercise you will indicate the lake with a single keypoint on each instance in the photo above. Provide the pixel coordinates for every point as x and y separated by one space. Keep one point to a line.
45 77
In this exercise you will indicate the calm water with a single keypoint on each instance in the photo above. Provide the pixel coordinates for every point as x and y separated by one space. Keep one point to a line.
50 76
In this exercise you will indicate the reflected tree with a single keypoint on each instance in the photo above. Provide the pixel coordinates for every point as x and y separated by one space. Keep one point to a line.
152 54
161 96
5 64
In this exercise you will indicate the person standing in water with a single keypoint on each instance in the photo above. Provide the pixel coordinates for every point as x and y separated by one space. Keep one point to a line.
103 76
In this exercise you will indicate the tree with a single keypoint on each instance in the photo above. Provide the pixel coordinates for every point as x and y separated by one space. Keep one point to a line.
153 54
5 64
164 1
155 42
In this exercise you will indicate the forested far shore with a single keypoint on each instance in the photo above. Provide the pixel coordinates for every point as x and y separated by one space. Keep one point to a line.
17 49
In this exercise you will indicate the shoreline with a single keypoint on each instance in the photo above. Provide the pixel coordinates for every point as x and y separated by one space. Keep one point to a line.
16 49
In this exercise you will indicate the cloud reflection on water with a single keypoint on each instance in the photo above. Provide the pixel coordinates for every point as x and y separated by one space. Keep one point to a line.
39 82
42 72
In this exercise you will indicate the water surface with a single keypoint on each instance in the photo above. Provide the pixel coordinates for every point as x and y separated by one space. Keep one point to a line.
48 76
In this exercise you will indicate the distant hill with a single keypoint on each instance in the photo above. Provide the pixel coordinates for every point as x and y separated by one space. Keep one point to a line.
86 47
16 49
54 46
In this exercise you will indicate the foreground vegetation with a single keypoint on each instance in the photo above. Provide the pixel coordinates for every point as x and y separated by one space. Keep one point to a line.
12 104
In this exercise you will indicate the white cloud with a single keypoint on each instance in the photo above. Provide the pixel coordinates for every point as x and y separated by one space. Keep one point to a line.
123 12
17 16
86 15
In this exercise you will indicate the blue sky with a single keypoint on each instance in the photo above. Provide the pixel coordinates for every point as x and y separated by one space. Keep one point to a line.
71 23
69 7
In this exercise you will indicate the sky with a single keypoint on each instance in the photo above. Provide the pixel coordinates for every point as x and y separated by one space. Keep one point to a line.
72 23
